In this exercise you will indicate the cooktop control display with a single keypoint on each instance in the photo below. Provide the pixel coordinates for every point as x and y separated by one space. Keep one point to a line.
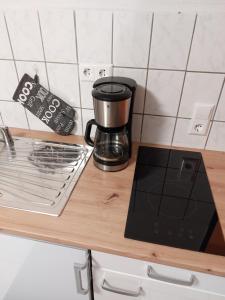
171 201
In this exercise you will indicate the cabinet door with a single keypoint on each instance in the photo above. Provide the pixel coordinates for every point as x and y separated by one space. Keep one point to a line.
38 270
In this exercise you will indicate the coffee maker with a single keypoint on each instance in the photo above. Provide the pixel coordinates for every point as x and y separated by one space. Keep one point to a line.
113 99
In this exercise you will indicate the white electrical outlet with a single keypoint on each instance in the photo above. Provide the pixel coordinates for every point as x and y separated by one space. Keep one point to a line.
201 119
102 71
199 127
94 72
86 72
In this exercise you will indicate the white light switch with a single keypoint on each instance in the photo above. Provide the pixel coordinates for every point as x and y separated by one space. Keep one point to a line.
201 118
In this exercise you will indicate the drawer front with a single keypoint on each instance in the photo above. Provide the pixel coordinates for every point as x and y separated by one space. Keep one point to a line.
116 286
160 273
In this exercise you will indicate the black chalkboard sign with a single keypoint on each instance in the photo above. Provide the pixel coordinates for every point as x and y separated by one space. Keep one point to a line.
50 109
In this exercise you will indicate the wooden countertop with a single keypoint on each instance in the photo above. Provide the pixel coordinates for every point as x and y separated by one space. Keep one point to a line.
96 213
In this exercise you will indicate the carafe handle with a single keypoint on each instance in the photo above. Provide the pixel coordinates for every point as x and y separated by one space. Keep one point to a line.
87 137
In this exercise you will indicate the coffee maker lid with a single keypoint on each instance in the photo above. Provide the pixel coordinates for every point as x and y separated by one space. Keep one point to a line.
111 92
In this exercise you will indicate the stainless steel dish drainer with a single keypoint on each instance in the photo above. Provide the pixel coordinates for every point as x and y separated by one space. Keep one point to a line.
38 175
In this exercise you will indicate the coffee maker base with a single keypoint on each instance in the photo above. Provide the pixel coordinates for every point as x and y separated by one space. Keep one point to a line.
111 168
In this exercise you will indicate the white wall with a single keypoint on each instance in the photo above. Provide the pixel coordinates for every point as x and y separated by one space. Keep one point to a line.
177 58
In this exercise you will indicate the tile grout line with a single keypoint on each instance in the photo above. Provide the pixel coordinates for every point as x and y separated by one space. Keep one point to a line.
214 113
209 131
78 73
178 108
148 68
40 61
116 67
10 42
43 48
134 113
165 116
60 62
218 121
174 70
146 81
205 72
182 89
15 66
87 108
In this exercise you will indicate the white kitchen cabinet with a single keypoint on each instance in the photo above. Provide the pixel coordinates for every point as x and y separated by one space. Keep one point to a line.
33 270
117 278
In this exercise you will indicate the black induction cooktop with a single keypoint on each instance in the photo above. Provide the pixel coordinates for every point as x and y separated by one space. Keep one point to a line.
171 202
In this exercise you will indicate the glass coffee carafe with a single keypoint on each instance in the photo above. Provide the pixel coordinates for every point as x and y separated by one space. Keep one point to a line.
111 148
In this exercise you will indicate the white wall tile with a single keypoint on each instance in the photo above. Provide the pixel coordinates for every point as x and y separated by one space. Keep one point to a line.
87 115
8 79
58 35
25 34
78 126
136 127
184 139
86 96
157 130
131 36
163 92
208 47
32 68
13 114
199 87
63 81
139 75
216 139
94 36
36 124
220 112
5 49
171 40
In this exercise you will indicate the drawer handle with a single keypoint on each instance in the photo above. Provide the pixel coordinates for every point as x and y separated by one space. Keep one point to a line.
109 288
154 275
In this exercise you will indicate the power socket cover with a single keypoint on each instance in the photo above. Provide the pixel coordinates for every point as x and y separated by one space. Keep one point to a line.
92 72
86 72
201 118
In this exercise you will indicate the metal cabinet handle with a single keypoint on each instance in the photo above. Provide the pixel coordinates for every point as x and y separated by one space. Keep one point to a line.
154 275
108 287
77 271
